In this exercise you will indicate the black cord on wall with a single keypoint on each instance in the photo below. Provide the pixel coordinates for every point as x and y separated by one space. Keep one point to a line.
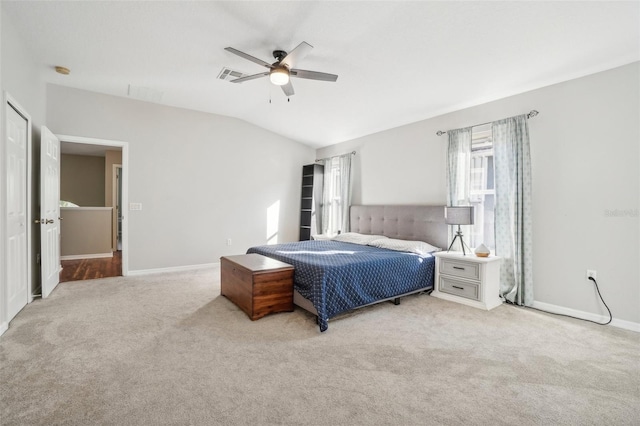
571 316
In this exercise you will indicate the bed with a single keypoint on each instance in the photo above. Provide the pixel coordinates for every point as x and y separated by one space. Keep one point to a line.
332 277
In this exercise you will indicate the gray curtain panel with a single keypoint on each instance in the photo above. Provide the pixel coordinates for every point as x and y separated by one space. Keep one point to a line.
513 208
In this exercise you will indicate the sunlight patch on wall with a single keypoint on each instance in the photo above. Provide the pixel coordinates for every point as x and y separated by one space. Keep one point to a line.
273 217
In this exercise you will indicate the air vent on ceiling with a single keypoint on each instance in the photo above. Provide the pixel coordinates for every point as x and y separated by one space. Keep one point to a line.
229 74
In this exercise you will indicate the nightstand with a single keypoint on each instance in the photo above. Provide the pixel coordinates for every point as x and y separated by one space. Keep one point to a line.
470 280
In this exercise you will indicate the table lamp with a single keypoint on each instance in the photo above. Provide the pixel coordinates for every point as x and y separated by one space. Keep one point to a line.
459 215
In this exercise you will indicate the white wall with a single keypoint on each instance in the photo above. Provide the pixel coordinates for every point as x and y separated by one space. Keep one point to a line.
201 178
3 280
22 79
585 154
404 165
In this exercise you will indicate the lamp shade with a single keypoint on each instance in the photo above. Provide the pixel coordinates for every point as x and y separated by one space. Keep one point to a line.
460 215
279 76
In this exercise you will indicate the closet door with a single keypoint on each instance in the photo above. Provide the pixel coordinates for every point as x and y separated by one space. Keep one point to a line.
17 209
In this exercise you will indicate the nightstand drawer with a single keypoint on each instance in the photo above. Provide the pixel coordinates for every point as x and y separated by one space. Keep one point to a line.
460 268
459 288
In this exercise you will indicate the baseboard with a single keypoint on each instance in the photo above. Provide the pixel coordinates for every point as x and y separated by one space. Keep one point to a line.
627 325
3 327
172 269
86 256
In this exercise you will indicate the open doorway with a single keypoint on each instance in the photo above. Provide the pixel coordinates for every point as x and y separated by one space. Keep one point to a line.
93 189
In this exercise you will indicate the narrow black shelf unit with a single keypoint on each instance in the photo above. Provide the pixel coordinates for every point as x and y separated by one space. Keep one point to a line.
311 199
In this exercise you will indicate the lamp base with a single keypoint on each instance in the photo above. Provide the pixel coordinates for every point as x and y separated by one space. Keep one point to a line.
462 243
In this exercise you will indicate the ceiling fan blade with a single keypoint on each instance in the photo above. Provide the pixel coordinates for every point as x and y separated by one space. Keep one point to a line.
288 89
296 54
249 77
313 75
248 57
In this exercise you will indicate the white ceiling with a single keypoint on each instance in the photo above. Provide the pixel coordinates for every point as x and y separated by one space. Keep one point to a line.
398 62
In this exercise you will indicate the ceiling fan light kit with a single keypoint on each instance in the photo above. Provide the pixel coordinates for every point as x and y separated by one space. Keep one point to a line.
279 76
283 69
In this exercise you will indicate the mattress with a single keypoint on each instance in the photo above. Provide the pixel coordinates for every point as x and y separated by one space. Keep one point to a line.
337 276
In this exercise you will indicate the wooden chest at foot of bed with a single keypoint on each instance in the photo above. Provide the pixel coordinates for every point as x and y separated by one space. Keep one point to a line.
257 284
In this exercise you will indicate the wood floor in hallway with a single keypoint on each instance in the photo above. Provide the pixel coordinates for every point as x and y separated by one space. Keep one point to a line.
88 269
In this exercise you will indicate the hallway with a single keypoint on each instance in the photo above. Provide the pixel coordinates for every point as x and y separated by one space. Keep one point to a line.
88 269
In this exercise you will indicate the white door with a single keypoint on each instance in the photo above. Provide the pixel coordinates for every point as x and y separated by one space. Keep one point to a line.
17 128
49 210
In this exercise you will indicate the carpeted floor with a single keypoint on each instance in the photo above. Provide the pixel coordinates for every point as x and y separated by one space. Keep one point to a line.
168 349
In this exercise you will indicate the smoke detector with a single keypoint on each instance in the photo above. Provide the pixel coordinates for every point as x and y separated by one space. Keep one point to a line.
62 70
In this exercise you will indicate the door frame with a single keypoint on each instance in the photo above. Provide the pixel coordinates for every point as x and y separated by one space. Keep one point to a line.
114 202
7 99
125 185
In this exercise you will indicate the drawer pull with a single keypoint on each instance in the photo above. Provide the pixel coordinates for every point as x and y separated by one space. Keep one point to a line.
458 267
459 288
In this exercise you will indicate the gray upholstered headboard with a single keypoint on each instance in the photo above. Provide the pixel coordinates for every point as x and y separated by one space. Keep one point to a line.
422 223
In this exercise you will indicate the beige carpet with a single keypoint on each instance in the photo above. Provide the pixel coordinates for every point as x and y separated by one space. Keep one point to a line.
167 349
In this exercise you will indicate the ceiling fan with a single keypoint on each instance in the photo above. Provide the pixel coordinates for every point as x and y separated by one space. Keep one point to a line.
283 68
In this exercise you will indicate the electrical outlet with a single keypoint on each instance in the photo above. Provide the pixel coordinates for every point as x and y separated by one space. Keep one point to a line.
228 241
592 274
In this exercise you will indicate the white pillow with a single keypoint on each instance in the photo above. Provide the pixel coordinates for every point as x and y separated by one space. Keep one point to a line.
355 238
417 247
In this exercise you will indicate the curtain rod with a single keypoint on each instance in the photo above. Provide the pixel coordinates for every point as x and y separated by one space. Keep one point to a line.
326 158
531 114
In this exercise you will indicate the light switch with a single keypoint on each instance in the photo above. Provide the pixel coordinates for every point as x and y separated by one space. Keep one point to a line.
135 206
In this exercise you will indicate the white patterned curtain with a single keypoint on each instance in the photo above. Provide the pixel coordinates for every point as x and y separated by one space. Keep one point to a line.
513 208
327 197
459 175
344 165
336 194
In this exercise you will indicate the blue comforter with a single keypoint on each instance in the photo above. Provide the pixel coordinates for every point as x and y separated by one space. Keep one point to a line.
337 276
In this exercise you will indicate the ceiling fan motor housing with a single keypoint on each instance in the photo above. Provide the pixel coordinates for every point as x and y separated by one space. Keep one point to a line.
279 54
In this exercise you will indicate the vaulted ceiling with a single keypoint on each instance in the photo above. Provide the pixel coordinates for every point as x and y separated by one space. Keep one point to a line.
398 62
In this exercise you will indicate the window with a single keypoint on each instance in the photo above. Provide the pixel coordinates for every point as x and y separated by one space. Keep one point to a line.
333 203
336 194
482 192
